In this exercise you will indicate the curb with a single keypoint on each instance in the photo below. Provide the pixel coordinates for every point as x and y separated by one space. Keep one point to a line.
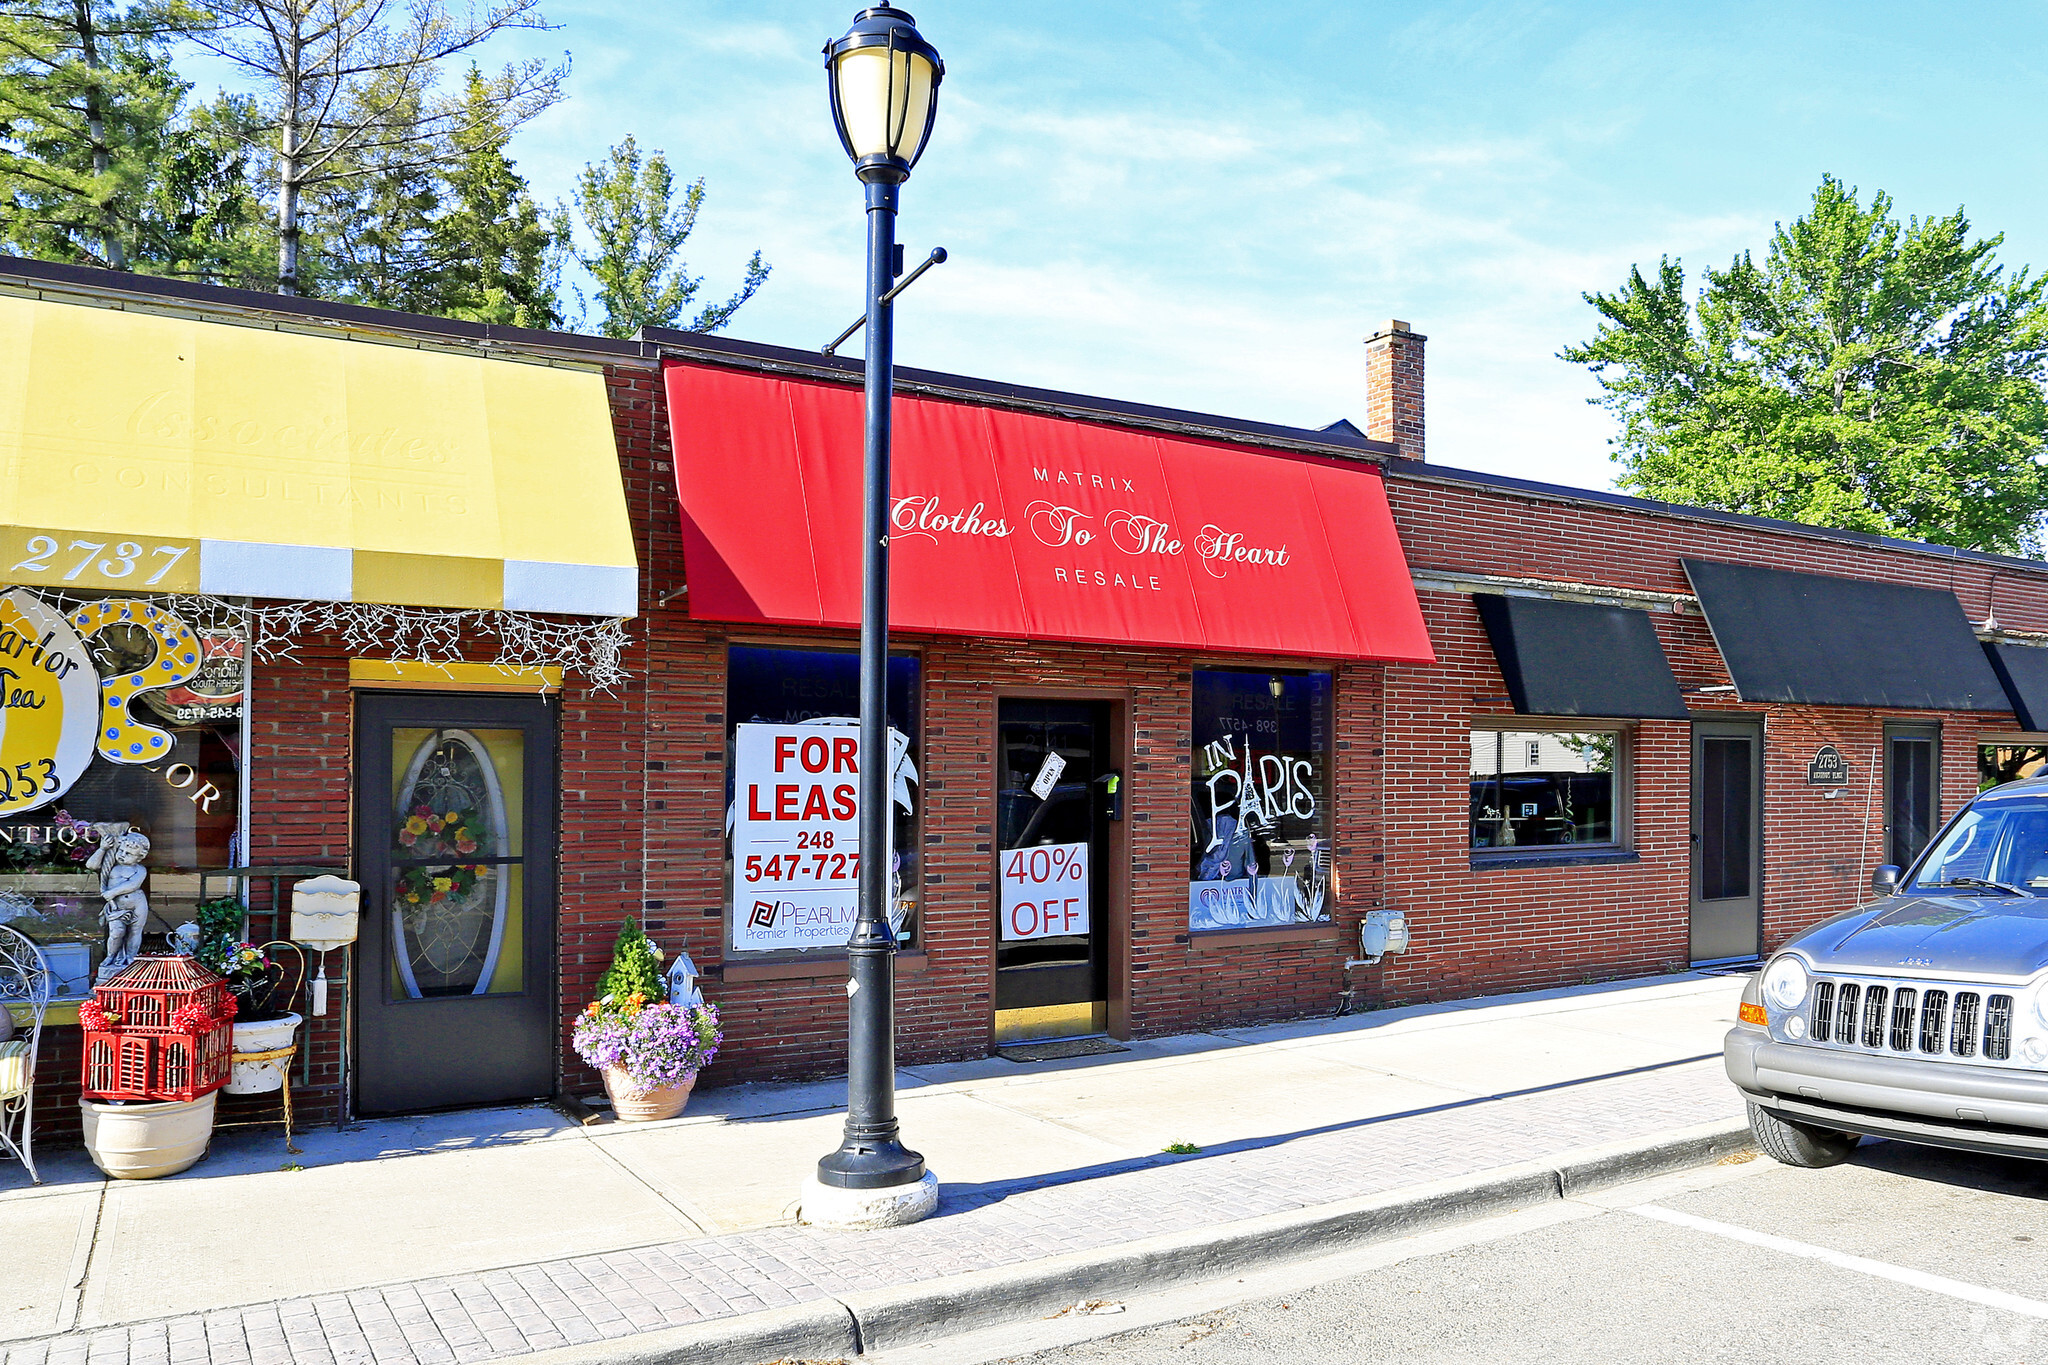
878 1319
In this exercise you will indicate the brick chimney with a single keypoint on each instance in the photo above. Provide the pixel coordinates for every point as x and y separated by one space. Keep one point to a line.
1393 387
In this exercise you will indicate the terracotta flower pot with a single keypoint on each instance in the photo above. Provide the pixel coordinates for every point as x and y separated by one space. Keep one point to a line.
633 1105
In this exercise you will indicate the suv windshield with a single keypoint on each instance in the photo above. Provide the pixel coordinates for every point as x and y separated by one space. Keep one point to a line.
1996 846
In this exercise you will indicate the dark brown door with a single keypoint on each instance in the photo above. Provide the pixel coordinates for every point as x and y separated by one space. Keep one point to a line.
1052 869
1727 840
1912 790
455 848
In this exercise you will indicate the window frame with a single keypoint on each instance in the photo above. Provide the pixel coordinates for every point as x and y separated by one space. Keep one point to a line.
775 963
2007 739
1328 810
1622 848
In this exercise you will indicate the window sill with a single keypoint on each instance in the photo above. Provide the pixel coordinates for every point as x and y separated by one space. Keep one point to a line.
1222 940
910 962
57 1012
1499 860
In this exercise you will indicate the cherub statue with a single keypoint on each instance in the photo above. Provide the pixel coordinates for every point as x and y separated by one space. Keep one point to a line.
119 860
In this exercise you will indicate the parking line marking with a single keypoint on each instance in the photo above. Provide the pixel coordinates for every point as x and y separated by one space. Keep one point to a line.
1919 1279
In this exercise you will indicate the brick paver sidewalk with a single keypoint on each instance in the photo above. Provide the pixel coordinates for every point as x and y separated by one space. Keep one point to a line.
590 1298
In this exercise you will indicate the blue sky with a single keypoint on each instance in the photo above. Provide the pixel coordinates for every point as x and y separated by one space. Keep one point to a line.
1209 205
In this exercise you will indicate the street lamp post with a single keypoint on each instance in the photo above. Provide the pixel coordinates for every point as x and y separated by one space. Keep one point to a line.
884 80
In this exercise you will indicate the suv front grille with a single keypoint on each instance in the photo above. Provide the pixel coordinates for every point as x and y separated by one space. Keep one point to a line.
1966 1023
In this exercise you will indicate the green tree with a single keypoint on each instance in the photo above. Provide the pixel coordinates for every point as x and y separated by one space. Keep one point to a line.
371 223
1869 374
202 217
638 227
88 102
635 969
498 255
347 88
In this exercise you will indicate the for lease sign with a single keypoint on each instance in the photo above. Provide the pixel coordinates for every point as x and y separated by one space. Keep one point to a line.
796 836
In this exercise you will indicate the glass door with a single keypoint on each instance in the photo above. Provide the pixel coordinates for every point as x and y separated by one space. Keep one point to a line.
1912 790
1727 844
455 837
1052 869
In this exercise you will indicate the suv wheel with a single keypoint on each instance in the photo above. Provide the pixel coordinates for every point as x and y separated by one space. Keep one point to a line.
1798 1144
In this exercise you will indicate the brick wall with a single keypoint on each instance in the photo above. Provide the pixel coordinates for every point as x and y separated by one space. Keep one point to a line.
1394 408
1484 929
796 1026
642 792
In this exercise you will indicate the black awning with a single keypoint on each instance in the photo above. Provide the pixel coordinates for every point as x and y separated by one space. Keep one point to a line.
2023 669
1803 637
1579 659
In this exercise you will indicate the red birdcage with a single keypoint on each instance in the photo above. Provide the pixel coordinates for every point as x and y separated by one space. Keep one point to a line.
163 1029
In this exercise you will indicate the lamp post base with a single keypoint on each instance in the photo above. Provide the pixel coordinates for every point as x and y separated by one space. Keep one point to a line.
840 1210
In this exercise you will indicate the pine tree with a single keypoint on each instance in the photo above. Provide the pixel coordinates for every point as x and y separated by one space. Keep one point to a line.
638 228
497 255
372 224
203 217
88 104
349 93
635 969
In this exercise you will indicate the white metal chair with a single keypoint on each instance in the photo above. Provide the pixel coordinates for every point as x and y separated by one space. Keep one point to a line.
25 978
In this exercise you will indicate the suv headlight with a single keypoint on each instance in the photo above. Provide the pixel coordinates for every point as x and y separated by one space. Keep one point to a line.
1785 982
2040 994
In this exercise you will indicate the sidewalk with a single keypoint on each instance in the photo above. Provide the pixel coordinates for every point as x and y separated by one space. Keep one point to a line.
470 1236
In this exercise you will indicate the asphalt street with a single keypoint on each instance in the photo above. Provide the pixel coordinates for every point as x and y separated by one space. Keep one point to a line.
1904 1254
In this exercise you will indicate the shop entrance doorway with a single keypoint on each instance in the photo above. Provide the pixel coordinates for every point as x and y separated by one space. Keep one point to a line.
455 848
1727 847
1912 790
1054 790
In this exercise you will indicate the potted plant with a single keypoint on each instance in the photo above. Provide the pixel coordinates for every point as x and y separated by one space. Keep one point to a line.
648 1050
261 1025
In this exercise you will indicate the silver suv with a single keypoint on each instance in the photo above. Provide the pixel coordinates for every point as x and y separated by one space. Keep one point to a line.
1922 1017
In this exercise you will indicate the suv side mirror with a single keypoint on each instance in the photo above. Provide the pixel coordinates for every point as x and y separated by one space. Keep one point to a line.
1885 881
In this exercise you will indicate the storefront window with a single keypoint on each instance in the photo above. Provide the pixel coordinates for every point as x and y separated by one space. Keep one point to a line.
1259 855
1541 788
792 848
1998 764
120 720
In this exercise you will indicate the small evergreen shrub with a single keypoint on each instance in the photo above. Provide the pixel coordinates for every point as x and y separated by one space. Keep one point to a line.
635 971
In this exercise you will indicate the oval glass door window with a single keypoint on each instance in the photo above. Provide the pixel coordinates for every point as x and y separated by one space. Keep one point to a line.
456 908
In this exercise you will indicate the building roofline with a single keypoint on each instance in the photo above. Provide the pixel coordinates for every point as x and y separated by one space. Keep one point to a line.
77 283
1420 471
654 343
1022 397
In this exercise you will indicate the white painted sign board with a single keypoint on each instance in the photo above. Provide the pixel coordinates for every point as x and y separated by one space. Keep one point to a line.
796 836
1048 776
1045 891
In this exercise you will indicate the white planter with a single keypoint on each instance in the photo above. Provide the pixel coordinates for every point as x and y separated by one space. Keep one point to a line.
144 1141
267 1035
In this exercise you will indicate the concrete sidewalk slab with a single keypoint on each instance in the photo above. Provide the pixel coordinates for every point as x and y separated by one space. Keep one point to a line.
516 1231
285 1233
1238 1096
37 1260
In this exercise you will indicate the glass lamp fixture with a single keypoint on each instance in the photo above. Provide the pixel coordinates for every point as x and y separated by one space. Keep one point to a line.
884 80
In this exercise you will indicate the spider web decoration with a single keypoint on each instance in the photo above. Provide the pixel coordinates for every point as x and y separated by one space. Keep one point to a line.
595 650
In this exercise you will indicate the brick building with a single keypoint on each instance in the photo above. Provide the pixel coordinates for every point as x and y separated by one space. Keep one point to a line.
1568 735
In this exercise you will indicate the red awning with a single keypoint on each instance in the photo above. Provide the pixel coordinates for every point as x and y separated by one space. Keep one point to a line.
1014 524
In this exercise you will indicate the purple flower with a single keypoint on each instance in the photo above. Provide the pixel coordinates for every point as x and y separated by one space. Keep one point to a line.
658 1046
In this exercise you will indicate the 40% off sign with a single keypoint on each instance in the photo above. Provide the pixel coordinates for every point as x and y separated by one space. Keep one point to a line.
1045 891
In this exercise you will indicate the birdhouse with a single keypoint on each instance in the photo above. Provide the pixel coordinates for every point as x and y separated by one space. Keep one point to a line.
324 912
161 1029
682 982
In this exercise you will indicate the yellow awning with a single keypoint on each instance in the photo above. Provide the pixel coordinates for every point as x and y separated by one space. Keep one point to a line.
174 455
